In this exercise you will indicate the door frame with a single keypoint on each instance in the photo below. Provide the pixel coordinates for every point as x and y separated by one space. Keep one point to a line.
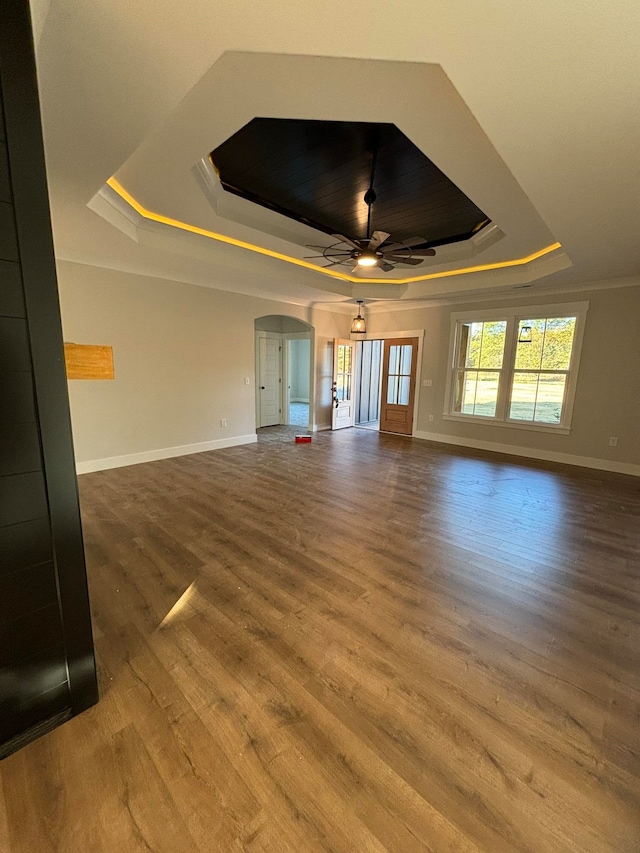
283 337
274 336
412 333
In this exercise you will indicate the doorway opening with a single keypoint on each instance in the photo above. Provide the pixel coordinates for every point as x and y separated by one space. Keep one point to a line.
368 384
374 383
284 372
297 372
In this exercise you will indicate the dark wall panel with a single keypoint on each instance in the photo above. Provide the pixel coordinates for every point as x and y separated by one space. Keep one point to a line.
31 691
14 345
30 634
47 670
25 591
16 393
8 237
5 191
23 497
11 294
25 544
20 448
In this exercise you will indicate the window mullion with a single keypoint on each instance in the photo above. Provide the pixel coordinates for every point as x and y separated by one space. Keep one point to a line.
506 373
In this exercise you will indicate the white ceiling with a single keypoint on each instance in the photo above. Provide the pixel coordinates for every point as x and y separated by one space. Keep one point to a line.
532 109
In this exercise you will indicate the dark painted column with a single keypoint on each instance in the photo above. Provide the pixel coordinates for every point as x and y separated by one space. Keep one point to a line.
47 668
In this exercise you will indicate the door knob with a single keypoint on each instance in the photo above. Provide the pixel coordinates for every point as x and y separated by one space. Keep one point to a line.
262 387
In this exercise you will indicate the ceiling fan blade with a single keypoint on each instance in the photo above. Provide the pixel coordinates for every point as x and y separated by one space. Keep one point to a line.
328 257
398 259
349 242
377 239
383 265
425 253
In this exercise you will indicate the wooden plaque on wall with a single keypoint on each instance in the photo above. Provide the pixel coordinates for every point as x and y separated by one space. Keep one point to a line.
85 361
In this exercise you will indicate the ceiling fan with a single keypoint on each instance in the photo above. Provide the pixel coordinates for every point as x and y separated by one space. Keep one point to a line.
373 250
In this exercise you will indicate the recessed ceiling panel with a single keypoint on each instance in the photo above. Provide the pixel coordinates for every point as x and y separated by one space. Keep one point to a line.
317 172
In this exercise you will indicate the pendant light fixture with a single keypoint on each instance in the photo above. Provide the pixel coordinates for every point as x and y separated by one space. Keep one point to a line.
526 335
358 325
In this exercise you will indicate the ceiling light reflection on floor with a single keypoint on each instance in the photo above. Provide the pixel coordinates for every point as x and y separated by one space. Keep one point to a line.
182 608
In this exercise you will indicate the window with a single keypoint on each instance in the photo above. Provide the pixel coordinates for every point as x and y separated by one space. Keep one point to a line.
479 362
539 380
343 372
516 369
399 374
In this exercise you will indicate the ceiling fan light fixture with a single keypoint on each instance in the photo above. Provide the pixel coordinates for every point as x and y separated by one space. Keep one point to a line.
367 259
358 324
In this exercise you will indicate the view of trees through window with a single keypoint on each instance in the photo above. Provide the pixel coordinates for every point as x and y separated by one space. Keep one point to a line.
540 368
343 373
480 355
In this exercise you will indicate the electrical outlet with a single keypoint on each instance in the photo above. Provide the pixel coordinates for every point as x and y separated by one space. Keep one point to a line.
223 422
427 383
613 441
430 419
247 380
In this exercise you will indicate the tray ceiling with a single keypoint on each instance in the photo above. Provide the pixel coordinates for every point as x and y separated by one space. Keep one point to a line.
532 114
317 172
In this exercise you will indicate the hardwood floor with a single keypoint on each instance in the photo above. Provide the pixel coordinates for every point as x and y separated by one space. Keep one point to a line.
367 643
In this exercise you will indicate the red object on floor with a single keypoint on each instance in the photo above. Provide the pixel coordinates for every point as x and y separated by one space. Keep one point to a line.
303 439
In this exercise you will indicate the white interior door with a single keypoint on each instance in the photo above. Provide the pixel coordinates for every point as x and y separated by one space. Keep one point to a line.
270 381
343 391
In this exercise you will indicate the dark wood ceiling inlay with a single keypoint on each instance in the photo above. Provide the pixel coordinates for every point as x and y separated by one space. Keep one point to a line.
317 172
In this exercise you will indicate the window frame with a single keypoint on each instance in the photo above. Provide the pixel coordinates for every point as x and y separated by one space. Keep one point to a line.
513 316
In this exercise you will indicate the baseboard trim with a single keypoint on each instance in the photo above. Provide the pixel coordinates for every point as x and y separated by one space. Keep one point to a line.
532 453
162 453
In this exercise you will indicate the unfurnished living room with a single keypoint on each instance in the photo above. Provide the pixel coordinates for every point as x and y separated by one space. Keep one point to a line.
319 427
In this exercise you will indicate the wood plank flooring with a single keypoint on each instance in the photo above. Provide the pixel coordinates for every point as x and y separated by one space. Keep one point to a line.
360 645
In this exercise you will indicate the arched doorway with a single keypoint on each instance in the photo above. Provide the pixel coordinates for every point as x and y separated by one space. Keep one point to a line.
285 388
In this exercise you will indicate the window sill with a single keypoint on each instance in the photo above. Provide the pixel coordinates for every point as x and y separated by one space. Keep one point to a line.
557 430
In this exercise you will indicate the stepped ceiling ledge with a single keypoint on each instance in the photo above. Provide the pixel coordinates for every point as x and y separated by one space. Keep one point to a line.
169 194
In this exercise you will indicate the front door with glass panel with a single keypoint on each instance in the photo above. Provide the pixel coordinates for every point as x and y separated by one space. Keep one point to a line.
342 394
398 385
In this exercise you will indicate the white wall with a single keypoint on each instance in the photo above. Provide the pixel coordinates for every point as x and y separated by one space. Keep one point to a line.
181 355
607 399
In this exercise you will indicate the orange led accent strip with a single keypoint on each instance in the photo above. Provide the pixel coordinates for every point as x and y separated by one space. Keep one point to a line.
232 241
